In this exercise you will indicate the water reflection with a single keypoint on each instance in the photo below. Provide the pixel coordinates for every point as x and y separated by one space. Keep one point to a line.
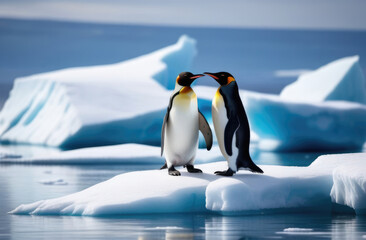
20 184
189 226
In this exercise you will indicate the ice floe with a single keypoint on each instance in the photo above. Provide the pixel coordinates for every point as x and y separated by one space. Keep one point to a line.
100 105
280 189
115 154
53 182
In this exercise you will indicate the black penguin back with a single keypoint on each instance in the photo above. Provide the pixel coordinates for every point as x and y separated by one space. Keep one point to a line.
240 129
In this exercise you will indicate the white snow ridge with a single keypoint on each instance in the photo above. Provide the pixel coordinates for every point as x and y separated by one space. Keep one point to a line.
89 106
281 189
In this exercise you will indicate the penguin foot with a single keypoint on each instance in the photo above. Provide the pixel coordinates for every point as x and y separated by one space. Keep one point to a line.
191 169
227 173
164 166
172 171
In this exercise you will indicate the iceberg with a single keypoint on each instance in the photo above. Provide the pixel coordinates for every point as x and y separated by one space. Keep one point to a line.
342 79
114 154
100 105
323 110
281 189
283 125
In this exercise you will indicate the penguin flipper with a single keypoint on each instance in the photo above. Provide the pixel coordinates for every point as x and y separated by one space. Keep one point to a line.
163 132
166 118
205 130
231 127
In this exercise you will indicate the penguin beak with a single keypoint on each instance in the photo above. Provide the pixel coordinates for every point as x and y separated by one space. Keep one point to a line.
197 76
211 75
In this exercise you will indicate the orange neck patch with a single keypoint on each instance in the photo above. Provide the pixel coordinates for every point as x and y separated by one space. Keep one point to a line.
230 79
185 90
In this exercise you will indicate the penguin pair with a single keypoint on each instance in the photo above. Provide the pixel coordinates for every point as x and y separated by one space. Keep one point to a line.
183 121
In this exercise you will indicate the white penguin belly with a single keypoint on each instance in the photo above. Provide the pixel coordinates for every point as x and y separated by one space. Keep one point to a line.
219 117
181 133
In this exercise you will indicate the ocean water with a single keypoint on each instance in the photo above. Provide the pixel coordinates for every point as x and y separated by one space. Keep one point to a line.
254 56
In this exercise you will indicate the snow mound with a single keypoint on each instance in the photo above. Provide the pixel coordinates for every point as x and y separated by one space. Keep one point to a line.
116 154
284 125
339 80
281 189
100 105
131 193
296 188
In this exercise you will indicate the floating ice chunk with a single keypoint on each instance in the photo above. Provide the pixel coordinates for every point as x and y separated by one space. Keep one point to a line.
280 189
89 106
53 182
298 230
302 231
166 228
342 79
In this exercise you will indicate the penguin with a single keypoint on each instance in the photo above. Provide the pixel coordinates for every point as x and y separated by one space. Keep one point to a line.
182 121
231 125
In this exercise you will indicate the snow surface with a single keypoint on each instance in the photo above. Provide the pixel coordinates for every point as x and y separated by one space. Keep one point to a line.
294 126
280 189
121 154
100 105
339 80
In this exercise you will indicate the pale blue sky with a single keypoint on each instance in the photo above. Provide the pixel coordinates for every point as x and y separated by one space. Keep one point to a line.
303 14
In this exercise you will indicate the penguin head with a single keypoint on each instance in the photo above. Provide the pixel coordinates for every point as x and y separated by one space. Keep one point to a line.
186 78
223 78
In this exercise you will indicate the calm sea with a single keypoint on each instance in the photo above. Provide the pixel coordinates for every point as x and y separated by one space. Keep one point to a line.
256 57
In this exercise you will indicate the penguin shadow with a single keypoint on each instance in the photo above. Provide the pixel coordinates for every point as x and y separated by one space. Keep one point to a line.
203 175
243 176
